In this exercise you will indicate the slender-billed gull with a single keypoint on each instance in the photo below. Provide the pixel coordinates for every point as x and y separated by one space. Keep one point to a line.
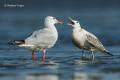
42 39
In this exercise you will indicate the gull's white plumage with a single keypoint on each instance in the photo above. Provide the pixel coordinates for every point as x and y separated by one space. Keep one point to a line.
42 39
86 40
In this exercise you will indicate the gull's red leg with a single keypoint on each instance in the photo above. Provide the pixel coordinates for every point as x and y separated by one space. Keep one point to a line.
33 56
43 55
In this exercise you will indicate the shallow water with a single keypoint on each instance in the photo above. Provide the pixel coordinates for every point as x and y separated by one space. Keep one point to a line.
59 65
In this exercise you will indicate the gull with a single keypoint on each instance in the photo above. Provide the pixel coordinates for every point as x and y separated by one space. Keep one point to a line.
41 39
86 40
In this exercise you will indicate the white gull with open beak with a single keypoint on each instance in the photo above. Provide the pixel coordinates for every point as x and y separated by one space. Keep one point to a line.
42 39
86 40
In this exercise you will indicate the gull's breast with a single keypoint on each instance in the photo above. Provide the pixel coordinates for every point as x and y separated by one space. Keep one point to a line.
78 38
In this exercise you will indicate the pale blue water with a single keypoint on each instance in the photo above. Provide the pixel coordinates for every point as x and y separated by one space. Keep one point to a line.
59 65
63 61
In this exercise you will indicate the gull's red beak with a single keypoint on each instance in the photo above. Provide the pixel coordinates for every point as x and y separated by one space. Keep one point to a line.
59 22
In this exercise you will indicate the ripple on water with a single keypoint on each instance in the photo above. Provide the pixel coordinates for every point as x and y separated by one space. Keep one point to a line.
70 64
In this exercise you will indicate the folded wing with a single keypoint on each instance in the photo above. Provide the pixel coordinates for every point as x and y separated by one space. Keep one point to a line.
41 37
94 41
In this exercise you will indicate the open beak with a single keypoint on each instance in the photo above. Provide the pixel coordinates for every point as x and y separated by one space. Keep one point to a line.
60 22
71 21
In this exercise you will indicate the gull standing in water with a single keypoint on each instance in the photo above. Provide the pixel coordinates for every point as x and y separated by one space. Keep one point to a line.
42 39
86 40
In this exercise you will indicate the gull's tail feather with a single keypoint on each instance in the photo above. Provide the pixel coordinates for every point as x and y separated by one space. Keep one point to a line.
106 52
17 42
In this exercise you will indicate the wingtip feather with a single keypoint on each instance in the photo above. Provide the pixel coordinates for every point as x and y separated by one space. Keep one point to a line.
17 42
108 53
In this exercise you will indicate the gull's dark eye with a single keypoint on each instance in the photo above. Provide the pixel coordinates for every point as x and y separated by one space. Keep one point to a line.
77 21
54 18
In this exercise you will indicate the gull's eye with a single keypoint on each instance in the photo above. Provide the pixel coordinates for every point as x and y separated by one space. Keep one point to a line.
77 22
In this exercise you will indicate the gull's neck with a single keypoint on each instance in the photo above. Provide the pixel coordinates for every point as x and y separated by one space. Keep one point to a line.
52 27
77 28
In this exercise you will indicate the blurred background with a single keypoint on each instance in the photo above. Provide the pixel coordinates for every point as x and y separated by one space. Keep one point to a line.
97 16
19 18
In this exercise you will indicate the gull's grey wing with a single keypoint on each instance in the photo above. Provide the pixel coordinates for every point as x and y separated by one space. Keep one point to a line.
40 37
94 41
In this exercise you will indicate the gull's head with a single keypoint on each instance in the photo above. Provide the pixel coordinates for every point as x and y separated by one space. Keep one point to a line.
52 20
73 23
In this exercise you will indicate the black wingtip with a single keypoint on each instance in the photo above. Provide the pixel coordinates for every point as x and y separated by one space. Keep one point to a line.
16 42
108 53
